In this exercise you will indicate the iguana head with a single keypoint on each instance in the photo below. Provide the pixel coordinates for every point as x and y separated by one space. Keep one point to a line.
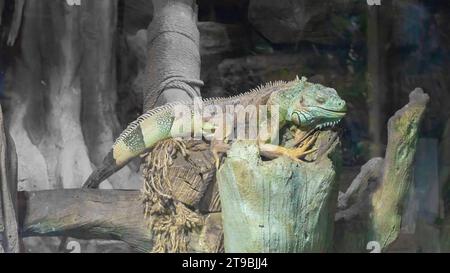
311 105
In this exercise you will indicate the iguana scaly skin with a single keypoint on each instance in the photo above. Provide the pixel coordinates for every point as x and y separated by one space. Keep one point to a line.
301 103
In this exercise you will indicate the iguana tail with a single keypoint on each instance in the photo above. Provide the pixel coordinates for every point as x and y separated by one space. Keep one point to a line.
108 168
140 136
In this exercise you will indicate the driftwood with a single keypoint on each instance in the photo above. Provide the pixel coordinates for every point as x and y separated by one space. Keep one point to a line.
375 213
278 205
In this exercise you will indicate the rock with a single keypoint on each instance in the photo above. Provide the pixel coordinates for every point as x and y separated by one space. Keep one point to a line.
216 38
218 41
241 74
288 22
138 45
137 14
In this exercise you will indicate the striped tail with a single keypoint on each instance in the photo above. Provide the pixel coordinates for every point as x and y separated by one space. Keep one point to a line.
108 167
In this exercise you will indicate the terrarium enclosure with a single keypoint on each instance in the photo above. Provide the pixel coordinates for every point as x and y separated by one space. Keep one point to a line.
75 73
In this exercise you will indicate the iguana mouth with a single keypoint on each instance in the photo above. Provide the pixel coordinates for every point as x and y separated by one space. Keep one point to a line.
339 112
333 116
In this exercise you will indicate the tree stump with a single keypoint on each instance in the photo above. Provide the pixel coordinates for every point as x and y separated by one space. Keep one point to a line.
278 205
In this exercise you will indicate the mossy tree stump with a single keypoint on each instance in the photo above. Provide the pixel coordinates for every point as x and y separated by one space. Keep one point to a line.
278 205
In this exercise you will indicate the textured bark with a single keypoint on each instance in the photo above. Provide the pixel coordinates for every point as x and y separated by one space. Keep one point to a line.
101 214
388 199
85 214
278 205
173 66
65 71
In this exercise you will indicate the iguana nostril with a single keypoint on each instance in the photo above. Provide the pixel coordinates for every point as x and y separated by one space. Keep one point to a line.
343 105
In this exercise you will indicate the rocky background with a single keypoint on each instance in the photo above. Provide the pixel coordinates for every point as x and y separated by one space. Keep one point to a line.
373 57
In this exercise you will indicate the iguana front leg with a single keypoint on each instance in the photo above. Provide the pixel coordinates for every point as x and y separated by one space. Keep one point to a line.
298 136
217 146
274 151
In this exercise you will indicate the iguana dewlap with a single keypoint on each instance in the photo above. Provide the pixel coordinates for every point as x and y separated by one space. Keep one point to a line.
299 102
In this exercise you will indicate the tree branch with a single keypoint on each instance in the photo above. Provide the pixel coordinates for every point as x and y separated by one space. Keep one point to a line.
388 199
85 214
173 66
374 212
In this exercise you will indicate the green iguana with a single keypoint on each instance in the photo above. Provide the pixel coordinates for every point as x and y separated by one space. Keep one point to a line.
306 105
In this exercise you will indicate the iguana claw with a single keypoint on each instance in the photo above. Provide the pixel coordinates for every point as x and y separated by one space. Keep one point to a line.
296 154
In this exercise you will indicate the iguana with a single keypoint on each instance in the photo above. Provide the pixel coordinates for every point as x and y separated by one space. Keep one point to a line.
306 105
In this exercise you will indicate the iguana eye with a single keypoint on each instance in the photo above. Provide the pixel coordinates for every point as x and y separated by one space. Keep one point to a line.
320 99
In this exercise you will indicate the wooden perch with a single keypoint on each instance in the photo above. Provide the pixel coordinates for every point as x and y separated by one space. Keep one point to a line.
278 205
100 214
85 214
376 214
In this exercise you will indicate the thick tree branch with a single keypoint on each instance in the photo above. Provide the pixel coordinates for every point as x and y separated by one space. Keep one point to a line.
371 210
173 67
85 214
388 199
101 214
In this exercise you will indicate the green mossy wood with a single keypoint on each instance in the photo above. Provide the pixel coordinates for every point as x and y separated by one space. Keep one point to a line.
370 213
387 200
278 205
